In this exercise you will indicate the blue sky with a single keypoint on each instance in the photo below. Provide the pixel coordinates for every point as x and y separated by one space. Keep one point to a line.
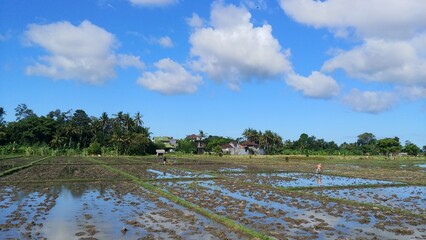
333 69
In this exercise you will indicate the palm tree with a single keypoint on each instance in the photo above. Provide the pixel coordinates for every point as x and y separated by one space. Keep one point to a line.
267 140
118 120
252 135
105 125
104 119
57 140
138 119
2 113
70 132
127 122
201 134
116 140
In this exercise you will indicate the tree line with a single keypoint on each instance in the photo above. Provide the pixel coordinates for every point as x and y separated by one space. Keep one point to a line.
74 132
366 144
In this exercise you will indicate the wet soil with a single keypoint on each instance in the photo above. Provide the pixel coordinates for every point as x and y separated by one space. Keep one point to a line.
9 163
46 172
285 214
77 198
100 211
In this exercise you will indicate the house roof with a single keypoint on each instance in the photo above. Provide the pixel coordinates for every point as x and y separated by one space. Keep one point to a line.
227 146
168 145
162 139
193 137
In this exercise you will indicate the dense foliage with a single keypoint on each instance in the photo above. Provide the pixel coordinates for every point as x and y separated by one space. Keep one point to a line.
122 134
74 132
366 144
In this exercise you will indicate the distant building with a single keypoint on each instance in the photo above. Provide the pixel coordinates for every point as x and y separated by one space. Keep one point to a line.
201 148
170 144
160 152
244 148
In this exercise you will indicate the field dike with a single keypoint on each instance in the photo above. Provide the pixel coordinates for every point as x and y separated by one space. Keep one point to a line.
219 219
15 169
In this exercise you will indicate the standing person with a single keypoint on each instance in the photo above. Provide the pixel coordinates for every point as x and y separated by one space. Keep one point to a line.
318 169
164 159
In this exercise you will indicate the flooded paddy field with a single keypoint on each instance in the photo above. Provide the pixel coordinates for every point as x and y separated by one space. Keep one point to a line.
199 198
152 172
283 214
99 211
410 198
289 180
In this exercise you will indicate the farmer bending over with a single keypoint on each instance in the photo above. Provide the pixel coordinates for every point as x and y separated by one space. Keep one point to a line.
318 169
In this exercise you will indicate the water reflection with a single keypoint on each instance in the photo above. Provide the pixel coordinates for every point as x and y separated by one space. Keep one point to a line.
304 179
319 180
411 198
176 174
95 211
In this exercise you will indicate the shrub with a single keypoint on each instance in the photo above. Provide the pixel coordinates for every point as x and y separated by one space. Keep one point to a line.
94 148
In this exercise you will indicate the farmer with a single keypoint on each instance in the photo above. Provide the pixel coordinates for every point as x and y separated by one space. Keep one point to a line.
164 159
318 169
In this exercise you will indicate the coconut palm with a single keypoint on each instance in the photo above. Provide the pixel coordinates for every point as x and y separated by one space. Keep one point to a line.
252 135
58 140
138 119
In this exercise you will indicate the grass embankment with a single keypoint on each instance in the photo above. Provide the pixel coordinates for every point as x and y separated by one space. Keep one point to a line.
4 157
220 219
15 169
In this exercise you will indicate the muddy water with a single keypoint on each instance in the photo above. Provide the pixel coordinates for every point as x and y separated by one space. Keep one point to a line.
174 173
232 169
422 166
303 179
410 198
243 193
77 211
286 215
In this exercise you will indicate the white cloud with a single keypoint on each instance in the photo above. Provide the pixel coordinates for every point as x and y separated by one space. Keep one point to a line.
170 78
195 21
233 50
153 3
166 41
392 50
373 18
124 61
412 93
84 52
370 102
383 60
317 85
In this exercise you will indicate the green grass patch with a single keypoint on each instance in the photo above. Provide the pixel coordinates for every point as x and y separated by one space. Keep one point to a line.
4 157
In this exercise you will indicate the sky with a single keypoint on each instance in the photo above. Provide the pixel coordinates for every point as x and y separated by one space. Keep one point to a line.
333 69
